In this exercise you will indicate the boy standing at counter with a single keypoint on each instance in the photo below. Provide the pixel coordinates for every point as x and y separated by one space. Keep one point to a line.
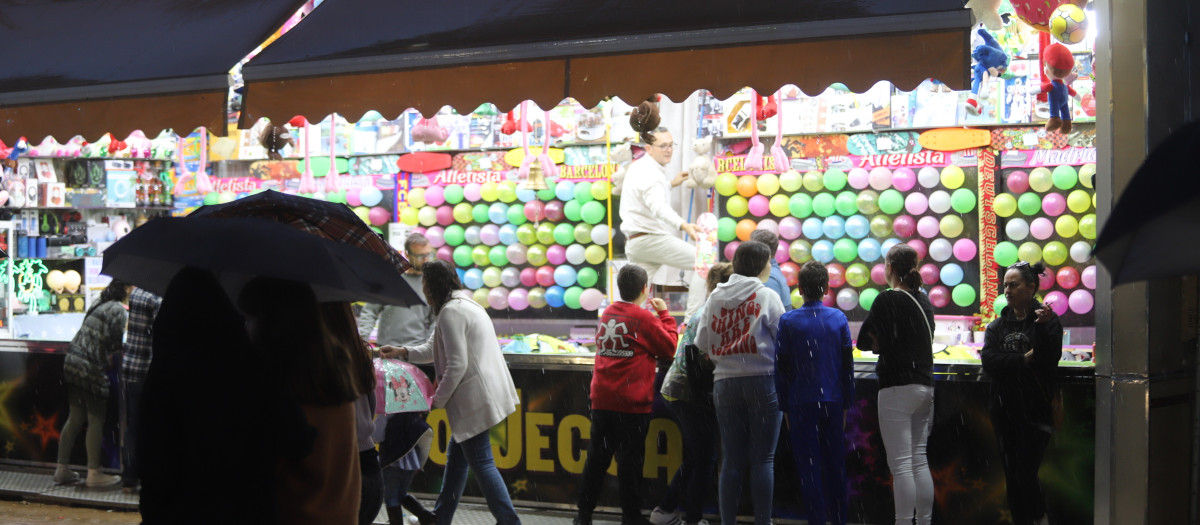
628 343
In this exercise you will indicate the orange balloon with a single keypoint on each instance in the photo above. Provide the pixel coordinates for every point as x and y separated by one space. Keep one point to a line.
744 228
747 186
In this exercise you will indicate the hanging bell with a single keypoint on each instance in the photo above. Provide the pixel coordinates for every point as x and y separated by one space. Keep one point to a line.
536 179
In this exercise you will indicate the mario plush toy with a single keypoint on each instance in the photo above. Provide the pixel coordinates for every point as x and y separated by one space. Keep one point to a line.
990 62
1058 65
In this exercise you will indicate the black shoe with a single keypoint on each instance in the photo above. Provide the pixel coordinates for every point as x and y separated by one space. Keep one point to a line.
582 521
395 516
640 520
423 515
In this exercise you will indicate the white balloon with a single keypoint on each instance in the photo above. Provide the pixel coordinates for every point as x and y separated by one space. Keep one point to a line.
1081 251
847 298
1017 229
939 201
471 235
940 250
929 177
600 234
575 254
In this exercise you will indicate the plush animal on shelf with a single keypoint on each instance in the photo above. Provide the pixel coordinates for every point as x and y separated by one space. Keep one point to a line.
987 12
990 62
73 147
47 148
98 148
701 172
274 138
139 145
163 146
428 131
621 155
1059 63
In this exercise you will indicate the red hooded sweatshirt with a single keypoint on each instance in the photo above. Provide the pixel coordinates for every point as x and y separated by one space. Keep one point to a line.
628 342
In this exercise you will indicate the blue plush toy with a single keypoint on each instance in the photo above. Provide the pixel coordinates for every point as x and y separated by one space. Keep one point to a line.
990 61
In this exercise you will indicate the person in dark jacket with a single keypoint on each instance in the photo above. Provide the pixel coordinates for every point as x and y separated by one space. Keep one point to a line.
814 374
1021 349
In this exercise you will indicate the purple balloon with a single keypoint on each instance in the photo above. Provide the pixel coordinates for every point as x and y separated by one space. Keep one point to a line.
436 236
472 191
556 254
730 248
498 298
965 250
446 253
1041 228
1088 276
920 247
435 196
940 296
789 228
489 234
903 179
1054 204
916 203
554 211
782 253
930 274
858 178
1057 301
518 299
1017 182
516 253
445 214
510 276
904 226
879 274
928 227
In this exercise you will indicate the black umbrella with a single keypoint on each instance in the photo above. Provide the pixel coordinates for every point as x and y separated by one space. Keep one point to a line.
1145 237
239 249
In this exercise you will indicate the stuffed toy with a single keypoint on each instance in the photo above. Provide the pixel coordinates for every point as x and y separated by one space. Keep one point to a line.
1059 64
139 145
511 125
990 62
428 131
701 172
98 148
621 155
163 146
986 12
47 148
274 139
118 148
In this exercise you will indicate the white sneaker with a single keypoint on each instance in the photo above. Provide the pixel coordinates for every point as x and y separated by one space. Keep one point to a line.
660 517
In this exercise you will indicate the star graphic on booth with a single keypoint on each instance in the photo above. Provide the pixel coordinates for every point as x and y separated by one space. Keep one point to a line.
45 428
520 485
6 390
9 446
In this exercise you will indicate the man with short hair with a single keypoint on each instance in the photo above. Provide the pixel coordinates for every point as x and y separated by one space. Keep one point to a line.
776 282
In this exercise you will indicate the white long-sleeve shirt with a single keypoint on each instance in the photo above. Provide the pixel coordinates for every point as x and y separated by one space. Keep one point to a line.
646 200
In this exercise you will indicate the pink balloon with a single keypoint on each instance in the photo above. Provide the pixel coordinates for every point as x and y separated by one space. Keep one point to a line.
964 249
419 229
759 205
1041 228
880 178
446 253
769 225
916 203
858 179
879 274
1089 277
554 211
556 254
940 296
435 196
789 228
920 247
489 234
435 236
1057 301
445 215
498 298
1081 301
1068 277
352 197
928 227
903 179
791 273
828 299
1017 182
471 192
904 226
837 275
1046 281
529 276
545 275
517 254
730 248
378 216
590 299
1054 204
782 253
518 299
535 211
930 274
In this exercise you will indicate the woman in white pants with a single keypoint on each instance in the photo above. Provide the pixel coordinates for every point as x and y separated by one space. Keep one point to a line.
900 330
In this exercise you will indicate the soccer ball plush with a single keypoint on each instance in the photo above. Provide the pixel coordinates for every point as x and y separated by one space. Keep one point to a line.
1068 24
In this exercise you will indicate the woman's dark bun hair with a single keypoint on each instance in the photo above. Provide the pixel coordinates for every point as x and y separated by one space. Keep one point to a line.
903 259
1030 273
644 119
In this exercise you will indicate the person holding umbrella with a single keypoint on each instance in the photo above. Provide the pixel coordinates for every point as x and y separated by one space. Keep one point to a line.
1021 349
474 387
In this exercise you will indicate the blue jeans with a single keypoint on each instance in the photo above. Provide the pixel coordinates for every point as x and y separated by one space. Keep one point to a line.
699 458
819 448
132 395
748 412
395 485
475 452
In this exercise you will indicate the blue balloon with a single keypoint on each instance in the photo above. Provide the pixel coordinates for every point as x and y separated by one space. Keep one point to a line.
473 278
564 276
869 250
554 296
887 245
822 251
525 195
834 227
952 274
812 228
461 274
857 226
498 213
508 234
565 191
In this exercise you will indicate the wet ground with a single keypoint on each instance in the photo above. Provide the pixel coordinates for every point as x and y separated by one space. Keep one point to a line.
24 513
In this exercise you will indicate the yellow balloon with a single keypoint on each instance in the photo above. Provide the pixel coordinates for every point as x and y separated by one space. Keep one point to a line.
779 205
768 184
953 177
791 180
1041 180
1078 201
1066 226
726 184
1087 175
814 181
1005 205
951 226
416 197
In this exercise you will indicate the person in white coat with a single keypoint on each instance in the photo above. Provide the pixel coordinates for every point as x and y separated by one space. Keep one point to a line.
474 387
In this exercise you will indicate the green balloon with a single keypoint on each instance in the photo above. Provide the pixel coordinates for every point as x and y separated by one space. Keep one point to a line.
479 255
572 210
962 200
526 234
571 297
1029 203
824 204
835 180
480 213
462 256
866 298
587 277
545 233
999 304
845 250
868 201
507 191
1055 253
516 214
800 205
846 203
453 194
497 255
963 295
214 198
1065 177
463 212
1087 226
454 235
891 202
564 234
726 229
583 193
546 195
1005 254
881 226
858 275
593 212
583 233
536 255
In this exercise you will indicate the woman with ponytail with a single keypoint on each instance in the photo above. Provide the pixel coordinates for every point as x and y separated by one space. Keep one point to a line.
900 330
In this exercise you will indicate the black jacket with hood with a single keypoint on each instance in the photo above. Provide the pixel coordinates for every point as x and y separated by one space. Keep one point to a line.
1023 391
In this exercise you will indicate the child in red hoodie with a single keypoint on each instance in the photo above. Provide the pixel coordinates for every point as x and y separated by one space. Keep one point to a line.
628 343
